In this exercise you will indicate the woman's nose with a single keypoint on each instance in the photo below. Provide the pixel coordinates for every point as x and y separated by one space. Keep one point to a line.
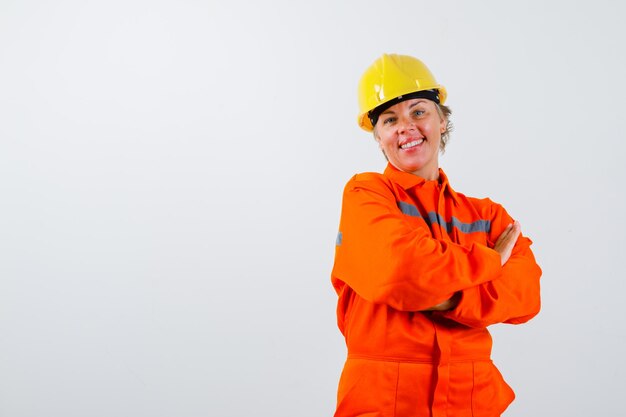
406 125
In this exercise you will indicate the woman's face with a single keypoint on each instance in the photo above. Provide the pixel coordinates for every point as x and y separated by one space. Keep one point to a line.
409 133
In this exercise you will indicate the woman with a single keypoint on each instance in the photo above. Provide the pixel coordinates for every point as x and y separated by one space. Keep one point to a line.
421 270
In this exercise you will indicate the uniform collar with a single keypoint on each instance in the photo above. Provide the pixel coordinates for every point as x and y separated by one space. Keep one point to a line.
407 180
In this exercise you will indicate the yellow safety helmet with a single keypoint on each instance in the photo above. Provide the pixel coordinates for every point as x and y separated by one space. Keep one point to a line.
391 78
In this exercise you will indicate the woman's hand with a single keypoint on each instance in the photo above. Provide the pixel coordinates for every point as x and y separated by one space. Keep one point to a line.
506 241
504 246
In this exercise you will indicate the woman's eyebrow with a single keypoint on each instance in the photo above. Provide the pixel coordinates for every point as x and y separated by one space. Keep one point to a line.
416 103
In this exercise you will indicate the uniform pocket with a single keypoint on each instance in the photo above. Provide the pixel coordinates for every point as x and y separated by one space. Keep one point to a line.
367 388
491 395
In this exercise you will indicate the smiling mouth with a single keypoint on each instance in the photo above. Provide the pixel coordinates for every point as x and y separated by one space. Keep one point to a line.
411 144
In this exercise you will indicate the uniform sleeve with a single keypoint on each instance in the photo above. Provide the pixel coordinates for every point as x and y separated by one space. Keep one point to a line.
513 296
386 260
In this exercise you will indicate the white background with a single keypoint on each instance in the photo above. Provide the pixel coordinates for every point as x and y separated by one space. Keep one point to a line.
170 186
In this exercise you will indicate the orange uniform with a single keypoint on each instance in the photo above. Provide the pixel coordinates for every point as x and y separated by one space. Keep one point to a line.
404 245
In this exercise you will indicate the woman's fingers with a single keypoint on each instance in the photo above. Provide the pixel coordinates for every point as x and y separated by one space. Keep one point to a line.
506 241
506 232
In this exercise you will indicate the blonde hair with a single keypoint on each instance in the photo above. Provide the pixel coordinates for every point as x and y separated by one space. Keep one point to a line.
444 113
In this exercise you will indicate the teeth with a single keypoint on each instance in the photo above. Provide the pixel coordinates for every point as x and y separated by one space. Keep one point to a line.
412 144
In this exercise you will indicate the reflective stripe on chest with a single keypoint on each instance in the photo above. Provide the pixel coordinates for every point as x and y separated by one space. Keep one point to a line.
431 218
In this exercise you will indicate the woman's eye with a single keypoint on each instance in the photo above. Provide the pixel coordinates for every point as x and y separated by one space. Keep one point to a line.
389 120
418 112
